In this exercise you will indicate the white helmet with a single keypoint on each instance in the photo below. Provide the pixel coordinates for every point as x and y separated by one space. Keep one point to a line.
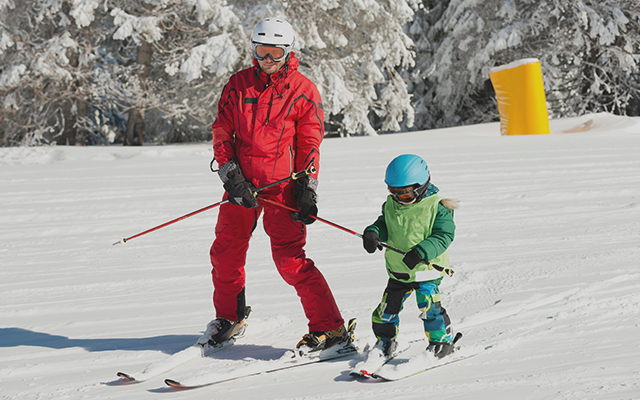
274 31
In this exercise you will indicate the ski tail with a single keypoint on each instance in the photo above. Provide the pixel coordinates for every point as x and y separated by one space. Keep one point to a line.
457 337
351 330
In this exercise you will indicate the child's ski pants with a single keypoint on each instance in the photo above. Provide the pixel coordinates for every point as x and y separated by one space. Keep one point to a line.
437 324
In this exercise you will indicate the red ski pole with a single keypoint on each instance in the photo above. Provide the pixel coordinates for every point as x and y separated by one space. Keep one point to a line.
294 176
328 223
448 271
173 221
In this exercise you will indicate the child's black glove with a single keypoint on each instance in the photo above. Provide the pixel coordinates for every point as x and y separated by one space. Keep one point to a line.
412 258
371 242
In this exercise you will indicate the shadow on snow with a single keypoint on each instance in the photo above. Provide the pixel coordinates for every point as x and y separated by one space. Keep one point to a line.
169 344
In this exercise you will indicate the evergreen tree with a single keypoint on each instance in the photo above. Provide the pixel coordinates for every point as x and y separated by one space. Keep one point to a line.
589 51
46 64
99 71
189 48
130 70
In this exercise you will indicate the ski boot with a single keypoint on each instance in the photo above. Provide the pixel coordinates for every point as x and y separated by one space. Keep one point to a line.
443 349
317 340
387 347
220 330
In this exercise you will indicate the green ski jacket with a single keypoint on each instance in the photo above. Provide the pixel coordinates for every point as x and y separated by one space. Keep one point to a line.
426 226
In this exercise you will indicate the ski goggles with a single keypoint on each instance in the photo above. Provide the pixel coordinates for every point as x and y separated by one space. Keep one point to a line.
404 195
275 52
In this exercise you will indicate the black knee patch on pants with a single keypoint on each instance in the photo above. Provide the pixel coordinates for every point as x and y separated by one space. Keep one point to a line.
385 331
241 304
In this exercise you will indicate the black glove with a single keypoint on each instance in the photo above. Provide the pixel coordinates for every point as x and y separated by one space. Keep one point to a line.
306 198
412 258
242 194
371 242
241 191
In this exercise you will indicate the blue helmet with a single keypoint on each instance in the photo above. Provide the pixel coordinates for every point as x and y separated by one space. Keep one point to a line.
406 170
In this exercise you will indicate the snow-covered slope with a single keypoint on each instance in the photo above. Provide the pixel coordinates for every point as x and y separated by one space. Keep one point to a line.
547 284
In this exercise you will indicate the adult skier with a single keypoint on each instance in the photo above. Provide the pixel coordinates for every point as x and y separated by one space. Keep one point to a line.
270 125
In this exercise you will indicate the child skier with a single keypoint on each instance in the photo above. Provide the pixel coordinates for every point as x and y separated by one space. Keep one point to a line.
417 221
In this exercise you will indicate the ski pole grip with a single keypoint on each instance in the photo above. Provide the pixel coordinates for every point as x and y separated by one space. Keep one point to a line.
302 174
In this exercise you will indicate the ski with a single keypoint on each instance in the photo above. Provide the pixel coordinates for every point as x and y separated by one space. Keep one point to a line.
389 373
189 354
374 360
291 359
417 364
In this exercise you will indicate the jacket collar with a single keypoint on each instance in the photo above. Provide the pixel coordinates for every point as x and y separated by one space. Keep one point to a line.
288 67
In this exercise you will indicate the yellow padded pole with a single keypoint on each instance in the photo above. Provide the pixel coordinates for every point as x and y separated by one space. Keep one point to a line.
521 100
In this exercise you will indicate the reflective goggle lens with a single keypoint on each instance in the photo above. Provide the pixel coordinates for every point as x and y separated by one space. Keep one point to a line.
261 52
404 195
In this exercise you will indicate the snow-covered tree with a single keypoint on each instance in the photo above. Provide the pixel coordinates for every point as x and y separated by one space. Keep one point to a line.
46 59
589 52
355 51
171 55
355 65
99 71
126 69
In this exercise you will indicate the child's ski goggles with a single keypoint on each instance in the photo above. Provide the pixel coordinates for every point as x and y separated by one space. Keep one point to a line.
276 52
404 195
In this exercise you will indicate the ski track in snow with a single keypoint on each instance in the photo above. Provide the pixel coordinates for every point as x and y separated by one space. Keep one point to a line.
546 288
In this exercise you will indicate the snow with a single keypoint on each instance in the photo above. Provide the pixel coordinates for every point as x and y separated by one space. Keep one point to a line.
546 288
5 41
139 28
83 12
12 77
514 64
218 54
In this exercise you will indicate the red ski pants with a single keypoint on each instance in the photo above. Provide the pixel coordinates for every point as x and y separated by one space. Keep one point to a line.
228 255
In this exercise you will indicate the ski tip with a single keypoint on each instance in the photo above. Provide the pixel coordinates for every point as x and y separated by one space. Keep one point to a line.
127 377
174 384
360 374
177 385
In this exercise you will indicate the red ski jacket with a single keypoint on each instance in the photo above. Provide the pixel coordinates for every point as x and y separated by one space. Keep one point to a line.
271 125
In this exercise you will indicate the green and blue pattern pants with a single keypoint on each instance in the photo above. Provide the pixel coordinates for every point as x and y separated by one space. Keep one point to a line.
385 318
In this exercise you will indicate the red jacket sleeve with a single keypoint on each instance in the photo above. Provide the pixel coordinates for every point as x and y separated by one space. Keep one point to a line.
223 129
309 131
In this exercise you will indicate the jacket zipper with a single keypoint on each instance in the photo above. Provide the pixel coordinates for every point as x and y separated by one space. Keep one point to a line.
291 161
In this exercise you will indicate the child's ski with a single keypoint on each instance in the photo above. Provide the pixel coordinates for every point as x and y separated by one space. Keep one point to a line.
394 373
419 363
374 360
